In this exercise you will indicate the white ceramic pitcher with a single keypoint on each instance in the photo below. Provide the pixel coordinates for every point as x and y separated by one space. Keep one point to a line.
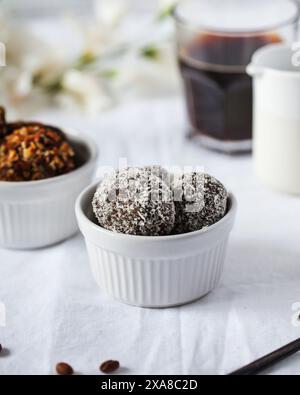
276 145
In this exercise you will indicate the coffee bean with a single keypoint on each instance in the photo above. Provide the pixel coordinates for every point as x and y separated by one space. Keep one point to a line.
1 348
109 366
64 369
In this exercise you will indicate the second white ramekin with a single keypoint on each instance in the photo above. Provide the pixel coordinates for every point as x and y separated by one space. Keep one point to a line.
37 214
155 271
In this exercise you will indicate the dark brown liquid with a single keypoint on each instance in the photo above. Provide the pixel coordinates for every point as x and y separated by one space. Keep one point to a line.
218 90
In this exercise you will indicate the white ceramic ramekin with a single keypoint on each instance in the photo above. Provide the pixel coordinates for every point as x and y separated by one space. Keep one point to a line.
154 271
36 214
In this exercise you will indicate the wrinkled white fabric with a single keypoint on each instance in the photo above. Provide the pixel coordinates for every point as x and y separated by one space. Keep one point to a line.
54 310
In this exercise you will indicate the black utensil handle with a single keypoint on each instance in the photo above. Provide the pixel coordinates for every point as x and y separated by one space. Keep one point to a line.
269 360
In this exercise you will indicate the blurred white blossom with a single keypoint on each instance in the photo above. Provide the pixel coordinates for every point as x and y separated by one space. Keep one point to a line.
163 4
153 74
109 13
119 57
84 90
166 6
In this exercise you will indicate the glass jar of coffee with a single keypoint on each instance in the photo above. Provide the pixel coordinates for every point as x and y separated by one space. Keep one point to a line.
216 40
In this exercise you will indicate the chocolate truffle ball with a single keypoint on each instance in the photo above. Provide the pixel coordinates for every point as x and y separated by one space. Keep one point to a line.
200 201
34 152
136 202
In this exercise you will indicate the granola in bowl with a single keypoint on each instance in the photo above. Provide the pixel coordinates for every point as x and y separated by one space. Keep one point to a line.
32 151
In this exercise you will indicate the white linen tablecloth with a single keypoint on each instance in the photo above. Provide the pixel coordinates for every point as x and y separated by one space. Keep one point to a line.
54 310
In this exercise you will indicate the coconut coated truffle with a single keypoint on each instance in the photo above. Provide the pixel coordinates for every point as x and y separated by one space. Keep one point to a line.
200 201
135 201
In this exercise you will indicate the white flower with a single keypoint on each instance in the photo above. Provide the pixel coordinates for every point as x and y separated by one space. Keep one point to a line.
109 13
147 77
49 69
112 41
164 6
102 34
22 85
78 84
85 90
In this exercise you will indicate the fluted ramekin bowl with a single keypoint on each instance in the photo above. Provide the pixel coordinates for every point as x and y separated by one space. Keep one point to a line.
156 271
35 214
